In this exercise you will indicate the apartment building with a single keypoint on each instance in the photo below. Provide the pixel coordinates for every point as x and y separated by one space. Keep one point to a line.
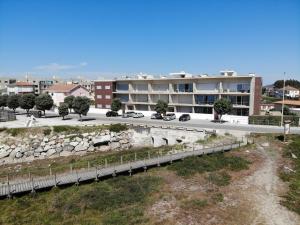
21 87
184 93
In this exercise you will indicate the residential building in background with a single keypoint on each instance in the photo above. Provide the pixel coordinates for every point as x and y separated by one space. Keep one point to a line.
289 92
21 87
4 82
184 93
60 91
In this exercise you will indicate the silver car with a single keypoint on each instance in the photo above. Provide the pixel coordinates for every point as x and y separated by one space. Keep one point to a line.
138 115
169 116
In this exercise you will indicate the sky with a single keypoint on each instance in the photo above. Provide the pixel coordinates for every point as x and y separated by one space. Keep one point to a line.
110 38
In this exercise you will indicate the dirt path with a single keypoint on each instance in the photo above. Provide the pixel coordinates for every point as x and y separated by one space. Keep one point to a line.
262 190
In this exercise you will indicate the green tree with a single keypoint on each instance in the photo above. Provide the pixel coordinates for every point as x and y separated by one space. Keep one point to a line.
3 101
291 82
27 102
69 101
81 106
222 106
13 102
44 102
161 107
116 105
63 110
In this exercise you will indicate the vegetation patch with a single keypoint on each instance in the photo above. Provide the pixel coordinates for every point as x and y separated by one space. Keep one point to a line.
219 178
292 197
208 163
116 201
211 138
117 127
195 204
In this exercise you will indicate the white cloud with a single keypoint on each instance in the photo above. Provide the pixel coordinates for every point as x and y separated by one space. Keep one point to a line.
55 67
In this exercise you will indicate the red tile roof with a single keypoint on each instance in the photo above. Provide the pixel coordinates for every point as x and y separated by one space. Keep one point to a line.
289 88
289 102
23 83
62 87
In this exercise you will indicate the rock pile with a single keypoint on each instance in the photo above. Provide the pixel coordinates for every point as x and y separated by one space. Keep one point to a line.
42 147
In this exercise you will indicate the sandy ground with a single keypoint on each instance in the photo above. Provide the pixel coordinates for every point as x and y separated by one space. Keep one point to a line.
252 198
263 189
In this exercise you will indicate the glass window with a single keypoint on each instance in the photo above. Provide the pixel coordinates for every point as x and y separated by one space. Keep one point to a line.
107 106
99 87
99 96
107 96
107 87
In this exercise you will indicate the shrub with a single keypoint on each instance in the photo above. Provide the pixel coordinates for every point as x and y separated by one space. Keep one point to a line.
117 127
194 204
47 131
219 179
217 197
66 129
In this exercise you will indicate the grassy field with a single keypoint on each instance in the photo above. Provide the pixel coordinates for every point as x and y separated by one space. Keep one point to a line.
292 198
121 200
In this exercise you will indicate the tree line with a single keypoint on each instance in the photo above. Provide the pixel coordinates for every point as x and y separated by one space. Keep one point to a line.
80 104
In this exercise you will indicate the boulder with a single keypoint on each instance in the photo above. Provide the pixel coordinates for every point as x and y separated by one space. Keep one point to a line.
4 154
51 151
39 150
91 149
78 139
66 153
81 147
115 145
124 141
74 143
101 139
59 149
104 148
47 147
52 142
29 153
19 155
68 148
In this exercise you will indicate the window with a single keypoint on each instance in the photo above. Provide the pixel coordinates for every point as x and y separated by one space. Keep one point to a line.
99 96
107 106
107 87
107 96
99 106
243 87
99 87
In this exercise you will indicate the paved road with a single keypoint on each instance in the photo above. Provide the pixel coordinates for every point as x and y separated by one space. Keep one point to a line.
195 123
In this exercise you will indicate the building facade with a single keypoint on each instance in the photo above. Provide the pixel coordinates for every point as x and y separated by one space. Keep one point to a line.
21 88
183 92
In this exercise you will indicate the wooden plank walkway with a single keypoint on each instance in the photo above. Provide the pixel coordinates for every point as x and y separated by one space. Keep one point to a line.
94 173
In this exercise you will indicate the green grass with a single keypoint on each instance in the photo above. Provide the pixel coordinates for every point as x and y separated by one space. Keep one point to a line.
208 163
292 197
197 204
118 201
211 138
219 178
118 127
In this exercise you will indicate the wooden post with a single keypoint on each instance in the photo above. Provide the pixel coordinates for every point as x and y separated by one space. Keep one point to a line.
135 156
148 155
88 165
71 168
77 179
32 185
50 171
96 170
8 187
105 163
55 181
121 159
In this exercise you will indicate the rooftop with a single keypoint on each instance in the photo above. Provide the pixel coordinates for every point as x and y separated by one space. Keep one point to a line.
63 87
289 102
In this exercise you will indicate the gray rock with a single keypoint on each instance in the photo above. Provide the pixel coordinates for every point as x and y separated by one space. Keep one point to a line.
124 141
4 154
43 144
51 152
104 148
39 149
45 139
115 145
85 134
74 143
52 143
78 139
68 148
47 147
81 147
59 149
101 139
19 155
67 140
66 153
29 153
36 154
91 149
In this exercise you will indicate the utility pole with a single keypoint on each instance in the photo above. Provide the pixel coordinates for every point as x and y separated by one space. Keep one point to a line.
282 105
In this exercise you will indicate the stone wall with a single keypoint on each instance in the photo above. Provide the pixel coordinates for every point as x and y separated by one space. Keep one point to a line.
16 150
32 147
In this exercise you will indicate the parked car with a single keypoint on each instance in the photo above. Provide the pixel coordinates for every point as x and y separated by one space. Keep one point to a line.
184 117
138 115
111 114
128 114
169 116
156 116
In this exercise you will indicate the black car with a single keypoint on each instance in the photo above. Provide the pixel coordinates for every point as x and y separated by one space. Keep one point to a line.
184 117
111 114
156 116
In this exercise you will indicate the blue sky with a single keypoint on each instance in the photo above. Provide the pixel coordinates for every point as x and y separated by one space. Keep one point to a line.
107 38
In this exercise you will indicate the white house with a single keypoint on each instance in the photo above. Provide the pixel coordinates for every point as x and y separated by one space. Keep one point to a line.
60 91
289 92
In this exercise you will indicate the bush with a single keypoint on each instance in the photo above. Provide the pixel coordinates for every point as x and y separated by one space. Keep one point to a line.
208 163
47 131
66 129
219 179
16 131
217 197
194 204
117 127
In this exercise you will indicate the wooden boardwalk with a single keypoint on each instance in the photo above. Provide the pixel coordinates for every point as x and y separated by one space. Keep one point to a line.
94 173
